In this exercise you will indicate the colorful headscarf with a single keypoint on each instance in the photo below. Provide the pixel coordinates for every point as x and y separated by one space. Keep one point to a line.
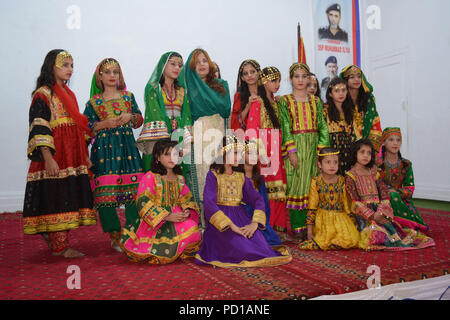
390 131
204 100
97 85
295 66
268 74
352 69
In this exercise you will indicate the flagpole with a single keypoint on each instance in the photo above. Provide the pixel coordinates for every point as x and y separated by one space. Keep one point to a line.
298 42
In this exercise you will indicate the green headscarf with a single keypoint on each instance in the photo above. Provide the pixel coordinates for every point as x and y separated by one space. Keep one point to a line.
155 109
204 100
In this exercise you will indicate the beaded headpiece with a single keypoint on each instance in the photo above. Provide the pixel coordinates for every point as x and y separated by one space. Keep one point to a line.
351 70
390 131
108 63
231 141
327 154
252 62
268 74
297 66
63 55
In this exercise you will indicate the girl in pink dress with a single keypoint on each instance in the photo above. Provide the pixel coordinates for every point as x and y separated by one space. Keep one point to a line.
168 223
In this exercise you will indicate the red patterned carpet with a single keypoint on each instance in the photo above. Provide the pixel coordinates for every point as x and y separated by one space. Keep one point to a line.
29 271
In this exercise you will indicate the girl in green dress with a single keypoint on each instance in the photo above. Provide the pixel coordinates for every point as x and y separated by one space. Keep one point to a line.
113 113
168 115
305 132
397 173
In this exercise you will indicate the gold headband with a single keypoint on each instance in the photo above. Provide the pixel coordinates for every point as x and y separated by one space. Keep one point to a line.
232 142
327 154
268 74
297 66
350 71
59 61
108 63
252 62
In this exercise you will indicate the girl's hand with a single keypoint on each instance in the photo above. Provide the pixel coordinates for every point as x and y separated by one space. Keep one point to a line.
379 218
176 217
293 159
277 98
249 230
186 213
252 98
109 123
51 166
236 229
124 118
89 162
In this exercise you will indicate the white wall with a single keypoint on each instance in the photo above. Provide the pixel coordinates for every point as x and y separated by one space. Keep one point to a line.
138 32
407 61
135 32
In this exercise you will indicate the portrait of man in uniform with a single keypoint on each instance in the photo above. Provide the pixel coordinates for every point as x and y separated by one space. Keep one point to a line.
331 68
333 31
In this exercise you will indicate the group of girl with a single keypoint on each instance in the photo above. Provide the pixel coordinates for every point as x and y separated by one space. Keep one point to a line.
242 207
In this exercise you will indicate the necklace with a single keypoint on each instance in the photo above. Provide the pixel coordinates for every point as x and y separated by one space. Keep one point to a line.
392 165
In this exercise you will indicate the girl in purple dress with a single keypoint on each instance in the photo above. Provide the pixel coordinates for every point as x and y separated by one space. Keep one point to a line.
232 238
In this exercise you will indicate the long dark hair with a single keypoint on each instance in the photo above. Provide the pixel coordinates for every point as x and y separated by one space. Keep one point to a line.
318 93
353 158
47 76
269 108
347 106
162 79
161 147
362 101
256 175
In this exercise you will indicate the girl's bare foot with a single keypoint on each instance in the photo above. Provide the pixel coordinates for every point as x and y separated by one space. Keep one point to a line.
69 253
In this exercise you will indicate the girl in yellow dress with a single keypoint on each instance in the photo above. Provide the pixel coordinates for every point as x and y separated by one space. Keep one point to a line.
329 225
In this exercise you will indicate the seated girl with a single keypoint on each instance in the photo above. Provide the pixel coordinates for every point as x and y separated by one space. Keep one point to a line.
329 225
397 173
232 238
371 204
168 223
251 171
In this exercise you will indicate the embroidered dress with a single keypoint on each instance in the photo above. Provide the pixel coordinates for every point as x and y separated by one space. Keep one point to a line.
154 239
342 135
275 174
400 177
369 122
116 160
370 194
63 202
221 246
328 212
305 131
268 233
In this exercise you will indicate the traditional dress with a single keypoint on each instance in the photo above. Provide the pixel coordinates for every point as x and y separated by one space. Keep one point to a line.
328 212
275 173
154 239
117 164
369 121
342 135
55 204
304 132
370 194
271 236
221 246
167 117
209 110
399 176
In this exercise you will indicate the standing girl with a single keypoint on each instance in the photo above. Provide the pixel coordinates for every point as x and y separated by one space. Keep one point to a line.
304 133
168 223
313 86
232 238
167 113
113 114
328 222
360 91
246 93
58 197
264 120
397 173
210 106
342 121
371 205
